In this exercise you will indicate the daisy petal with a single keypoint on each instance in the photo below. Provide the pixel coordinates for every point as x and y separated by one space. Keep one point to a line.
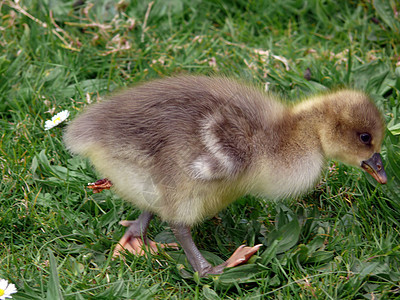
6 289
57 119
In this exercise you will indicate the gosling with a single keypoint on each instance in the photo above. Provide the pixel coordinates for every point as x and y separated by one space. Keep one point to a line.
185 147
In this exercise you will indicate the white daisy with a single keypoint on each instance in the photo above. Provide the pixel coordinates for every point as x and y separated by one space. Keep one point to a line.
57 119
6 289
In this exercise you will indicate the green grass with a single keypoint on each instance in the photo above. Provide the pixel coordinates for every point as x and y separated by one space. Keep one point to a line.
340 241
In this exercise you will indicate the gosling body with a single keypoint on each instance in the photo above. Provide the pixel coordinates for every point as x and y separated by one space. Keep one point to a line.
184 148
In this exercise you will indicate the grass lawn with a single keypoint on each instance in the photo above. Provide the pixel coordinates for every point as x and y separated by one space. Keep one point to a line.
340 241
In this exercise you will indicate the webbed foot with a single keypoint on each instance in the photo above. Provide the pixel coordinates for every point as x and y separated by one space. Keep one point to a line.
100 185
135 242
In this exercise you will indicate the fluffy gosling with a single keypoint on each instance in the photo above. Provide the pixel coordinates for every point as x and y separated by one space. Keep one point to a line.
184 148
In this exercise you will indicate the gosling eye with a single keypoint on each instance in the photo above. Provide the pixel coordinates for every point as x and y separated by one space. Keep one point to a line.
365 138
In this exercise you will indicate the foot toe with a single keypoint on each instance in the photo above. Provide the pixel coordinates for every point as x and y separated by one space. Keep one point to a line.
137 247
241 255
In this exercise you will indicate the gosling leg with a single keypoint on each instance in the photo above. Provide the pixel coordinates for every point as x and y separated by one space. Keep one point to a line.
196 259
135 238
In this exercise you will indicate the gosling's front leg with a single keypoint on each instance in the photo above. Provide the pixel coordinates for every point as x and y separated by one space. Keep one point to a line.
135 238
196 259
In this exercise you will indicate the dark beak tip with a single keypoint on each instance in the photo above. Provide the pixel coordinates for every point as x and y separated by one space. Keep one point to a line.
380 177
383 179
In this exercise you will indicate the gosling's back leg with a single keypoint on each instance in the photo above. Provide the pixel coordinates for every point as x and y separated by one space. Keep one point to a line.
135 238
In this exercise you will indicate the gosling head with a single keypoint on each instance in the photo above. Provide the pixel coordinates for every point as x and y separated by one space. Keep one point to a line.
353 131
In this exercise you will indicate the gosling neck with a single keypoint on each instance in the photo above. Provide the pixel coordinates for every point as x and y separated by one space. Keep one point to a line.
307 120
292 164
